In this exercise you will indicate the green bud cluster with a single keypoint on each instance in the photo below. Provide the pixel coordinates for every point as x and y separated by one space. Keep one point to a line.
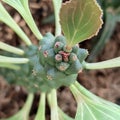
51 65
54 52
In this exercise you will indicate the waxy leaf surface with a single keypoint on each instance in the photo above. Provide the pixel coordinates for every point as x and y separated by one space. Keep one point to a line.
80 20
94 108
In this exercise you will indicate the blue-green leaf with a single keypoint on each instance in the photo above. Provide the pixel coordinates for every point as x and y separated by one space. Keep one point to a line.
91 107
80 20
22 7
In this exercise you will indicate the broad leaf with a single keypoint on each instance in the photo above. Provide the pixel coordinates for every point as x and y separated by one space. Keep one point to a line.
80 20
92 107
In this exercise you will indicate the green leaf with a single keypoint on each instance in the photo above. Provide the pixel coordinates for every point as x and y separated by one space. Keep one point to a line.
41 109
22 7
52 100
11 49
57 5
7 19
10 66
80 20
4 59
63 116
92 107
23 114
110 25
115 62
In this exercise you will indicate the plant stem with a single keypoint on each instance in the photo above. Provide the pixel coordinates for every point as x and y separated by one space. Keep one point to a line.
57 5
23 114
23 8
76 93
104 64
4 59
7 19
11 49
41 109
52 99
11 66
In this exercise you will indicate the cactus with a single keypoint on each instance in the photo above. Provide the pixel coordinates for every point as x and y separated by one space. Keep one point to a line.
51 65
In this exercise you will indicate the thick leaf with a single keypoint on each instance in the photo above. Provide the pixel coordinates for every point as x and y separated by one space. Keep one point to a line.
11 49
4 59
57 6
80 20
110 25
22 7
7 19
92 107
63 116
23 114
41 109
115 62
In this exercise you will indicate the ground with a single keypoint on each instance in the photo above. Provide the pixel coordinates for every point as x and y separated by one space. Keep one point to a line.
104 83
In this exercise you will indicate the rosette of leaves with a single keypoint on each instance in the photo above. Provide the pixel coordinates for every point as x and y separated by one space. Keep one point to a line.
56 60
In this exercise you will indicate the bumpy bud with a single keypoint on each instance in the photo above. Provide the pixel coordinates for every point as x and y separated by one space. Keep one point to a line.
67 49
47 39
82 54
62 66
72 57
51 65
75 48
60 38
74 68
54 74
49 56
58 58
58 46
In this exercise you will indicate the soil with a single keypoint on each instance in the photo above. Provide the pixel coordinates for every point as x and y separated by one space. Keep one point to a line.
104 83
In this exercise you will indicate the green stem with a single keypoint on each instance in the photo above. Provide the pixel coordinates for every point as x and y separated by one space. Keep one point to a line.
76 93
4 59
52 99
23 8
11 49
41 109
85 92
23 114
103 65
57 5
7 19
10 66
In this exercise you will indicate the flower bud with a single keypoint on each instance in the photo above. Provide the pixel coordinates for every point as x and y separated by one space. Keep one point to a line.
82 54
67 49
54 74
62 66
74 68
58 46
47 39
60 38
49 56
58 58
75 48
72 57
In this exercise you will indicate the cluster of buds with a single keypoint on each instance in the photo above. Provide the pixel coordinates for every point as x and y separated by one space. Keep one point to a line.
55 53
52 65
